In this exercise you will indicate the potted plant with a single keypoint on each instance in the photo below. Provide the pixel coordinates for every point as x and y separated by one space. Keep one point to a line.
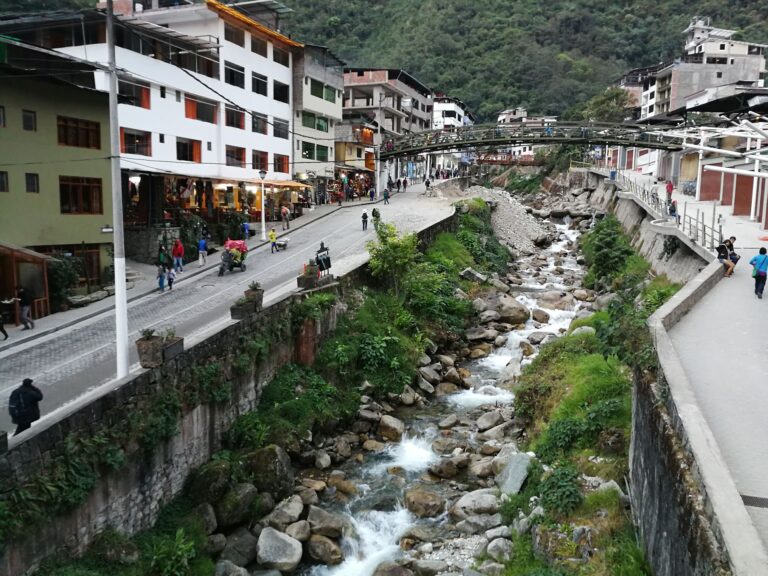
309 279
155 349
255 294
242 308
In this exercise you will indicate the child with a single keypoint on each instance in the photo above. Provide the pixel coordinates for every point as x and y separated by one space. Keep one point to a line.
273 239
171 278
161 277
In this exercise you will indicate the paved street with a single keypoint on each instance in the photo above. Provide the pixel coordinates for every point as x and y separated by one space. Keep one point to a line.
74 360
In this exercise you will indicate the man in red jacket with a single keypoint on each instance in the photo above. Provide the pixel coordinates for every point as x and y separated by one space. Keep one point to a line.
178 256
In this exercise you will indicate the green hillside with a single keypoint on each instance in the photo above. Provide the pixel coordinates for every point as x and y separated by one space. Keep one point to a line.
493 54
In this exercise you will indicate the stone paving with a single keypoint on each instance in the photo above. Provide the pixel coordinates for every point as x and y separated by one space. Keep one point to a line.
75 359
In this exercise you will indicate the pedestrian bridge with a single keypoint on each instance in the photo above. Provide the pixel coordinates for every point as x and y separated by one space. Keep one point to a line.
506 135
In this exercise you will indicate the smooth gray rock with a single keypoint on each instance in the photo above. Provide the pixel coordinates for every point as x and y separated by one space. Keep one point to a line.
473 275
498 532
430 375
489 420
425 386
479 305
233 508
500 550
227 568
215 544
424 503
324 550
490 568
479 523
300 530
489 316
285 513
277 550
322 460
391 428
511 311
484 501
448 422
583 330
240 548
428 567
271 470
408 396
207 517
325 523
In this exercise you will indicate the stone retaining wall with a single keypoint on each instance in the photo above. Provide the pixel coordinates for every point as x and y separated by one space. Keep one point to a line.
690 516
129 499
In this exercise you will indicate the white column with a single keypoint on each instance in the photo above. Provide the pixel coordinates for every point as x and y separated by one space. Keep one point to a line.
753 208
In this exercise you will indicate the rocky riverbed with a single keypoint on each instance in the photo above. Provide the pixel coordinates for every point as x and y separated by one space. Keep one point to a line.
414 486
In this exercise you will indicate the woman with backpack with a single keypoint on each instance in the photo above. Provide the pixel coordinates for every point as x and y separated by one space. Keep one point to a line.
759 271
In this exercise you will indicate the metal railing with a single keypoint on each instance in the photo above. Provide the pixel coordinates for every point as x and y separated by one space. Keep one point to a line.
693 226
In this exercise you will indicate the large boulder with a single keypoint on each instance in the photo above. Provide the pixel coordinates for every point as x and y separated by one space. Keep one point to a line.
540 316
210 482
325 523
511 311
324 550
429 374
444 468
424 503
452 375
392 569
234 507
271 470
484 501
277 550
478 523
391 428
299 530
556 300
489 420
285 513
240 548
489 316
207 516
227 568
500 550
429 567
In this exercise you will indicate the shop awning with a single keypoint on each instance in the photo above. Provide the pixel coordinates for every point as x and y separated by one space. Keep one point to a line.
352 168
23 253
284 183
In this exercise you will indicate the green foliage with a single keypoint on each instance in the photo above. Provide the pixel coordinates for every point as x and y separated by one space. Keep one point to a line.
248 431
606 250
230 226
63 276
520 502
476 235
592 321
392 255
561 491
523 184
190 231
448 254
525 563
172 557
160 422
611 105
209 384
312 306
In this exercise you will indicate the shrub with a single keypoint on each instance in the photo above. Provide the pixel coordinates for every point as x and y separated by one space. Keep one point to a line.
560 491
63 276
606 250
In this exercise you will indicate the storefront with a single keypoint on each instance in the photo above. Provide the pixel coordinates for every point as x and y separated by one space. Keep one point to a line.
351 183
23 267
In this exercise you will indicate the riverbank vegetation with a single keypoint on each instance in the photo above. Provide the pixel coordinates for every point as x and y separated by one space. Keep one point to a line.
576 400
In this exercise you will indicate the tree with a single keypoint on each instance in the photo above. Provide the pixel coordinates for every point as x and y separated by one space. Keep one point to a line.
612 105
392 255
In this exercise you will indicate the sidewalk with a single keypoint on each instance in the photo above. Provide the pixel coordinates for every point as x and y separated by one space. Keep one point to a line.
147 283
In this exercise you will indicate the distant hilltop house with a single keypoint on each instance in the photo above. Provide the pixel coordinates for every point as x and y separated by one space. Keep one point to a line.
711 58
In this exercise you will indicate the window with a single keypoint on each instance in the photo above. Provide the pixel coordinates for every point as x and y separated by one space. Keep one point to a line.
135 142
188 150
234 74
258 46
280 91
719 74
2 116
200 110
316 88
281 163
329 93
162 91
722 46
308 150
235 156
359 152
260 160
178 95
209 146
322 153
29 120
33 182
234 117
281 56
134 94
3 181
310 120
259 123
234 35
80 133
80 195
162 138
259 83
280 128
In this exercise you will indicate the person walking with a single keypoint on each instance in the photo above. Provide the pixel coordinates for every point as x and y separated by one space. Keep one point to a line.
178 256
398 184
171 277
23 405
24 298
163 259
386 194
724 259
246 230
285 214
202 251
670 188
2 321
365 219
273 240
759 265
161 277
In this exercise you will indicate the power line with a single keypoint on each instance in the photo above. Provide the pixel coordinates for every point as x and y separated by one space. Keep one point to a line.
157 160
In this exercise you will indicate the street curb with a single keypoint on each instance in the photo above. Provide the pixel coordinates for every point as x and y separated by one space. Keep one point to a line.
198 271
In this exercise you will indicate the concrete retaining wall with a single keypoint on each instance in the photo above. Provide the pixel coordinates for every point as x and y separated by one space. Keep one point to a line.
689 514
130 498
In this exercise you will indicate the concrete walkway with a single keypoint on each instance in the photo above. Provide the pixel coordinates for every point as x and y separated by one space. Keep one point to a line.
723 348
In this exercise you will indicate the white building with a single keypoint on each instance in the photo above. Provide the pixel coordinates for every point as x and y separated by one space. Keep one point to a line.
318 92
449 113
205 98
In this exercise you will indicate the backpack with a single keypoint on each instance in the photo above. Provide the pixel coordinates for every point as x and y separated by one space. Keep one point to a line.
15 405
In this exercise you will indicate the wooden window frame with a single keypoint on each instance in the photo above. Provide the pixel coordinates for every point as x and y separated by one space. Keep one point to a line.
236 116
36 179
282 163
240 152
78 132
77 188
263 162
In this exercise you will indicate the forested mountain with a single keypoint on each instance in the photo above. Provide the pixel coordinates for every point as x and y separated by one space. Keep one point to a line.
546 55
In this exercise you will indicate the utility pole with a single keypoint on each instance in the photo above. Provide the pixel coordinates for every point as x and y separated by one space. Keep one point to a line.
121 298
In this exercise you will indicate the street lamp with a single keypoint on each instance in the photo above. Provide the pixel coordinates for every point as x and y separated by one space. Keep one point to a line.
262 175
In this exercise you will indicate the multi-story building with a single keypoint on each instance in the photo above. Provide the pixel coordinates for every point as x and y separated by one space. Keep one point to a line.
318 90
449 113
712 57
397 103
205 101
520 117
55 193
